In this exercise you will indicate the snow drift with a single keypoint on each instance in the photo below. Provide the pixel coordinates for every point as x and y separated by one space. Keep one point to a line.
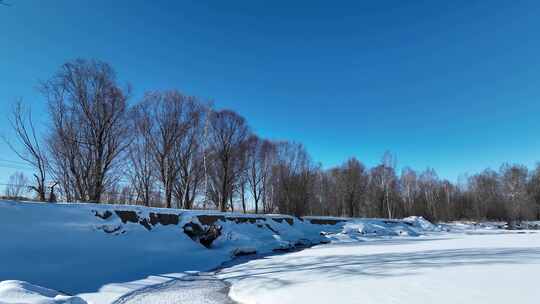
355 230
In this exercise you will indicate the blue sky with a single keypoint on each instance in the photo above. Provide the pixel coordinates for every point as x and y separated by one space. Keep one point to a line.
454 85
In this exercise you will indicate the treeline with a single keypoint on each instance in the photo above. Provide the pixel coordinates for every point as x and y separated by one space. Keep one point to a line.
173 150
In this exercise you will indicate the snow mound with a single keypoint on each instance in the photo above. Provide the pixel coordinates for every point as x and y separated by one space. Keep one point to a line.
13 291
354 230
372 228
267 235
421 223
472 227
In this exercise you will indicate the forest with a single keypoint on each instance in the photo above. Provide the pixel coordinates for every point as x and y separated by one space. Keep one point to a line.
177 151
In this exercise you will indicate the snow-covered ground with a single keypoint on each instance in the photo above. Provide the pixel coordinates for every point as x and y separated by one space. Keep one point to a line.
446 268
91 251
88 253
13 291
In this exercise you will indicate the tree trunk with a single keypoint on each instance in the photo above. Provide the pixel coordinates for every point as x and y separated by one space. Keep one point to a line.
242 192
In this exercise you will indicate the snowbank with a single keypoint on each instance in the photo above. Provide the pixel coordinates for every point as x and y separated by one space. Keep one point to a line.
22 292
366 229
471 227
69 247
114 249
421 224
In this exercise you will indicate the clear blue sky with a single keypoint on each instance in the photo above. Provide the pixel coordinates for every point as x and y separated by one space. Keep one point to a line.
454 85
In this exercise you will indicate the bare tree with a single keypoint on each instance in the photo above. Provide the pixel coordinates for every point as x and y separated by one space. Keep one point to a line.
89 129
169 117
61 159
227 140
126 195
190 160
258 164
352 183
17 185
330 200
534 190
514 183
178 151
429 186
141 169
388 178
294 178
485 192
383 187
31 150
409 189
242 183
447 199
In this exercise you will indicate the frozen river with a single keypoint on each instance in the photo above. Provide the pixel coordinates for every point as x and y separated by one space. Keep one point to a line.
454 268
475 267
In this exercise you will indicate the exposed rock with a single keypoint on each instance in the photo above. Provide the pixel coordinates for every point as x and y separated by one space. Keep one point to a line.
145 223
316 221
204 235
281 219
210 219
105 215
240 220
211 234
164 219
127 216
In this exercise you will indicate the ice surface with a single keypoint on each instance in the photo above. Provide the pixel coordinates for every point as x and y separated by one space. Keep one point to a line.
448 268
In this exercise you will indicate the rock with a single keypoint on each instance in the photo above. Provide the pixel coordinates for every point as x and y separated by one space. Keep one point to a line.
164 219
127 216
105 215
204 235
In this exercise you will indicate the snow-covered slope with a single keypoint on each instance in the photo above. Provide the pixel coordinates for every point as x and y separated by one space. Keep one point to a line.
85 248
67 247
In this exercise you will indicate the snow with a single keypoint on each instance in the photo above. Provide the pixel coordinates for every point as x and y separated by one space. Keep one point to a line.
63 247
250 238
421 223
12 291
67 247
202 289
445 268
355 230
75 249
